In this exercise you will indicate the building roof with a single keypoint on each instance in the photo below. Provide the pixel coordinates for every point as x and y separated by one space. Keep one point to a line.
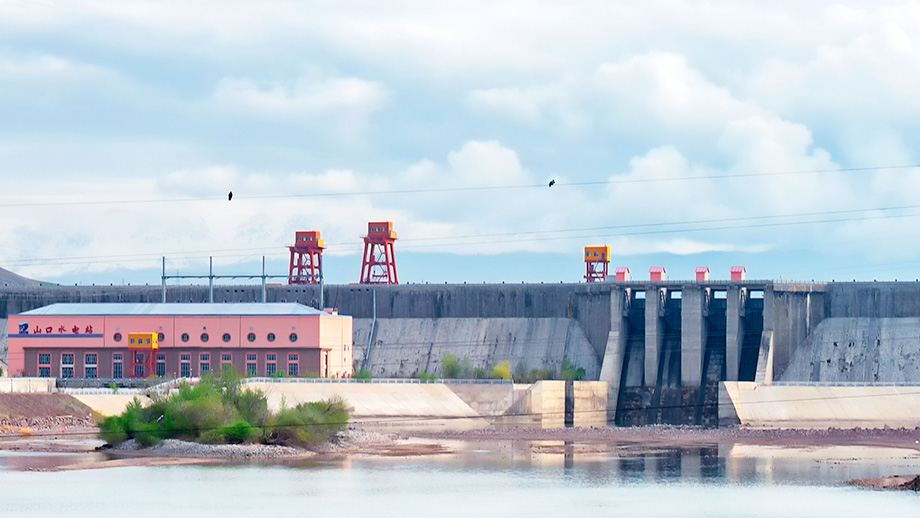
189 309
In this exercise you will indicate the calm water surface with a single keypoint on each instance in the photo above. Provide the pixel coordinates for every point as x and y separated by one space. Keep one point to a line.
504 479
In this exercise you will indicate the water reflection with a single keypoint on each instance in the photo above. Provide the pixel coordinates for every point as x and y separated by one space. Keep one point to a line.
603 463
35 461
710 464
545 478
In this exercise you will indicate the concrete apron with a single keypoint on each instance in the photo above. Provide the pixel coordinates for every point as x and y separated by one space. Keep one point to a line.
817 407
432 405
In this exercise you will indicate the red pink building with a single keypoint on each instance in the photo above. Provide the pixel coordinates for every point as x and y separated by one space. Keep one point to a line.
92 340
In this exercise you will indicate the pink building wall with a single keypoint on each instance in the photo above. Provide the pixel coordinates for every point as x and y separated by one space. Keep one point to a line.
98 333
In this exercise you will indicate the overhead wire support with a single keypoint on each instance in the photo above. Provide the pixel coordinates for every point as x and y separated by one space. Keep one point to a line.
211 276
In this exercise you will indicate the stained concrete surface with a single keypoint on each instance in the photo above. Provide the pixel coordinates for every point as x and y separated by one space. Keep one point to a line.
865 350
813 406
405 347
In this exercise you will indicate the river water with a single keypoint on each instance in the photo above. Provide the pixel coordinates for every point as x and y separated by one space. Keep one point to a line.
484 479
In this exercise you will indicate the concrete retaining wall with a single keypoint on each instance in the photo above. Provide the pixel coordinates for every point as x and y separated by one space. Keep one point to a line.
374 400
405 347
590 404
811 406
859 350
110 404
27 384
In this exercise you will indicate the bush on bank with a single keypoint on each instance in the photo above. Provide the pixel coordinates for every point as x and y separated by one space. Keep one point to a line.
217 411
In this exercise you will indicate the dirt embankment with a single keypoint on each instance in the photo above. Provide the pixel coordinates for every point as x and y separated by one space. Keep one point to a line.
39 414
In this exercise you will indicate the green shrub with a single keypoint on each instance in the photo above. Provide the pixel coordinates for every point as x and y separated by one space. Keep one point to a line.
424 376
133 423
450 366
363 374
571 372
217 410
308 424
466 370
480 373
502 371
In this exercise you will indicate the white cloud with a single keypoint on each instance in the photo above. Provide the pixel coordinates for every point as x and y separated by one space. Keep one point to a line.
486 164
541 104
302 97
178 99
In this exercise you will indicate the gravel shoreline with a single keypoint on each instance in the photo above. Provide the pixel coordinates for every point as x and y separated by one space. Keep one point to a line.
348 441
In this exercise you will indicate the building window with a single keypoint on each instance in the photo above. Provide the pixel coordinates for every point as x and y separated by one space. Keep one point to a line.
44 365
117 337
185 365
161 365
293 337
117 366
271 337
293 364
226 337
251 337
205 367
138 371
161 337
271 364
90 365
67 365
185 337
226 362
251 365
204 337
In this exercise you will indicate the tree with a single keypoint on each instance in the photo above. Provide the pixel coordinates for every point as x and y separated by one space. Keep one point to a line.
450 366
502 371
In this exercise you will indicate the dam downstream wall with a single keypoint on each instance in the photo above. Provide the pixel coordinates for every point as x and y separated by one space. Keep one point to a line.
660 345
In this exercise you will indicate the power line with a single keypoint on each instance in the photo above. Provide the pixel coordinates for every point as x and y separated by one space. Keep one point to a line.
537 235
557 185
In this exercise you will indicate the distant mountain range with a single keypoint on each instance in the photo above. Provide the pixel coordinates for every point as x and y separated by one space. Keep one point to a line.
8 278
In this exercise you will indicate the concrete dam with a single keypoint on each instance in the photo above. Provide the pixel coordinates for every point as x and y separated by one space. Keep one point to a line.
663 347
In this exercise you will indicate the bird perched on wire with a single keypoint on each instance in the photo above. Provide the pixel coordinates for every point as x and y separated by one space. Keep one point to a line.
552 182
230 196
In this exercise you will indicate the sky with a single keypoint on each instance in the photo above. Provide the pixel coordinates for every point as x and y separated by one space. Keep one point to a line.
775 135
